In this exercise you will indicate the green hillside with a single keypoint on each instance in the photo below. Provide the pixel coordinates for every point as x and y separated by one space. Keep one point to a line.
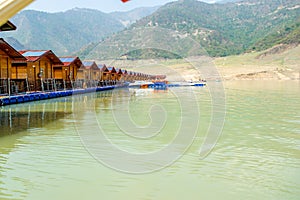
129 17
288 34
221 29
63 32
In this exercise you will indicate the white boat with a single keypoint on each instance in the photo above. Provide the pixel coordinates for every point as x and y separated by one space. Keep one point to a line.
138 84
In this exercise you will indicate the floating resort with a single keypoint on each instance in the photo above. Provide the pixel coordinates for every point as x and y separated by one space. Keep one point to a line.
31 75
40 74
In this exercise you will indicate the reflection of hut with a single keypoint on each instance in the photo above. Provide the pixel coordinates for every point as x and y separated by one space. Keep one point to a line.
8 55
39 65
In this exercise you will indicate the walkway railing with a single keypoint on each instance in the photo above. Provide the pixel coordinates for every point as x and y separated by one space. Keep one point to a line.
18 86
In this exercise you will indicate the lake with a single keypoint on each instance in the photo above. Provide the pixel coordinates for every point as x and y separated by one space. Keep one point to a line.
144 144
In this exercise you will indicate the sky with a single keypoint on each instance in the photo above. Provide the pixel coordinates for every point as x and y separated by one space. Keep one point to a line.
102 5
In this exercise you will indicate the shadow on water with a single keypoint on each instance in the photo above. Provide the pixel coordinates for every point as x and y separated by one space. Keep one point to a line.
21 117
17 118
37 137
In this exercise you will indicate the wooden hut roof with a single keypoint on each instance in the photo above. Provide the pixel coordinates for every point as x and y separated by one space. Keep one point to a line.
130 73
160 76
112 70
119 71
67 61
10 51
90 65
36 55
8 26
103 68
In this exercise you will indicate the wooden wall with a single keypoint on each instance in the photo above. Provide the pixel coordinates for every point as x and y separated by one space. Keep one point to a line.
5 65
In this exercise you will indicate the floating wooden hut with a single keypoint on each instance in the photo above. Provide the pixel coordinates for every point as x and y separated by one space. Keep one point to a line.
8 55
113 73
81 73
69 69
124 75
129 76
88 74
66 74
38 68
92 71
105 74
119 74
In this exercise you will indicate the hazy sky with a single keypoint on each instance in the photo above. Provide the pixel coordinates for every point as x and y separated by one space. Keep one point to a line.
103 5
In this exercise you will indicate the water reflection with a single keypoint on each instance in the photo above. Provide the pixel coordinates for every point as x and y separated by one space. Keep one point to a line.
21 117
257 156
17 118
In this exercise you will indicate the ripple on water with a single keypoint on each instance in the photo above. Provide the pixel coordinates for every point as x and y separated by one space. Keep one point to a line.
257 155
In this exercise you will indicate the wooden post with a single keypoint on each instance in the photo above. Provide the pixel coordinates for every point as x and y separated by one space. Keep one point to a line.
8 79
41 74
8 86
64 84
27 84
34 77
54 83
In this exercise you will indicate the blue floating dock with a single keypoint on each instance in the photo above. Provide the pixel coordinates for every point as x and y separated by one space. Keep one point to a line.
199 84
31 97
26 98
20 99
36 96
13 99
4 101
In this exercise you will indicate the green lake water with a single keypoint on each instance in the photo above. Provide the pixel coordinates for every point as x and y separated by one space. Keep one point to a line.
65 148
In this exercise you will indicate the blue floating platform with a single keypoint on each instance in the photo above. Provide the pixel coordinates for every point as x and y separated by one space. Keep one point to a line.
52 95
31 97
13 100
20 99
35 96
199 84
5 101
44 96
58 94
70 92
26 98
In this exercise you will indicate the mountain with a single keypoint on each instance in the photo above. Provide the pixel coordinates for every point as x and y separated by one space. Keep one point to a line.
228 1
221 29
289 34
67 32
63 32
129 17
15 43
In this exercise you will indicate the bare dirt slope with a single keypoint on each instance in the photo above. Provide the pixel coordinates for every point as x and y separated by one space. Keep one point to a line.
278 63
